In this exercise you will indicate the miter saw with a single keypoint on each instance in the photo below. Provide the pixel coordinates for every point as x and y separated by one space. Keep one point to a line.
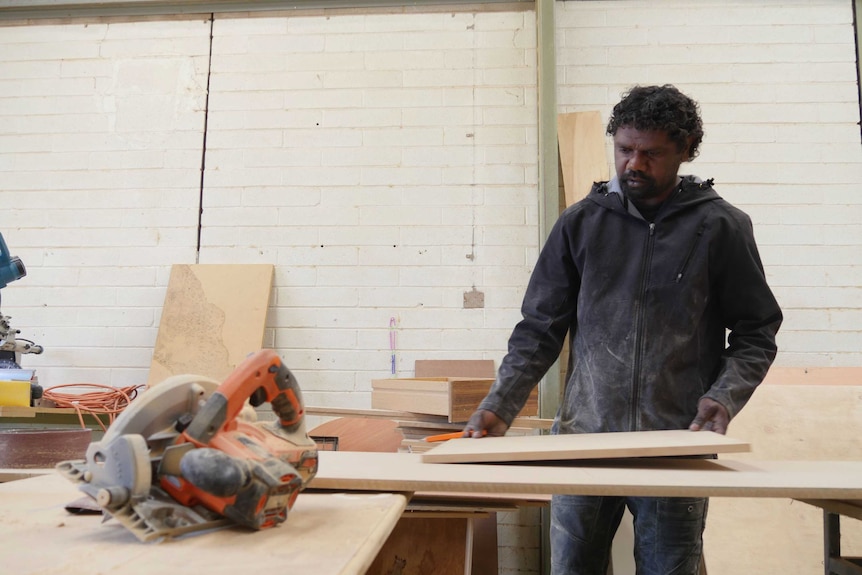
11 269
188 454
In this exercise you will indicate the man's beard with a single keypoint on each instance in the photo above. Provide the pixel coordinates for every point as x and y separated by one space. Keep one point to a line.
647 190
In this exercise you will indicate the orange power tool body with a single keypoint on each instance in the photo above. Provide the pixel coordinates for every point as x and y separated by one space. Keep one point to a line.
241 469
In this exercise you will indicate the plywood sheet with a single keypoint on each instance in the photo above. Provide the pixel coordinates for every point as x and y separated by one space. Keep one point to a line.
455 368
419 544
814 376
650 477
787 419
673 442
455 397
16 474
325 534
358 434
213 317
583 159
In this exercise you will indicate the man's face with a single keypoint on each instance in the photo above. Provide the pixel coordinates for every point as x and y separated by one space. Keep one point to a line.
647 164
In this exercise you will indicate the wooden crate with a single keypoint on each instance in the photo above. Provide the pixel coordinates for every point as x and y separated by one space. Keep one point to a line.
454 397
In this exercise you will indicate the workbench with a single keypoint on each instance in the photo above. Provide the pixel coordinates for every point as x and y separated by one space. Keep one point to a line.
834 486
833 560
325 534
15 417
341 523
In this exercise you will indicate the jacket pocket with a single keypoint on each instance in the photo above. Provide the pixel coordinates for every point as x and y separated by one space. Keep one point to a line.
697 238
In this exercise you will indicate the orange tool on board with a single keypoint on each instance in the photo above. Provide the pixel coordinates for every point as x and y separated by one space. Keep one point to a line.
448 436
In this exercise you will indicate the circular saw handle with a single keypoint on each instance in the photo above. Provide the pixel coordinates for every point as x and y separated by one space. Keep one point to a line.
261 378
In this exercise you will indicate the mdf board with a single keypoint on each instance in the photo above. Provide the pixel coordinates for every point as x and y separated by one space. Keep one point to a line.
648 477
455 398
675 442
325 534
583 159
213 317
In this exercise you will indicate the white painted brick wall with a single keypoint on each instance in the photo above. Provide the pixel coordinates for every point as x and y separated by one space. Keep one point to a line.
776 81
519 540
100 138
400 168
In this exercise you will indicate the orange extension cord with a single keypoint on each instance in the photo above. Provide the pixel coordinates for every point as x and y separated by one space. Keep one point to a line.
110 402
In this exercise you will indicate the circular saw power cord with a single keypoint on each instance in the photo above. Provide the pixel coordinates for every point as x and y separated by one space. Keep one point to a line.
109 400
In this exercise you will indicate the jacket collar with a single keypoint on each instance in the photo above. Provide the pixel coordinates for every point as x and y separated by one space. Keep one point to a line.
691 191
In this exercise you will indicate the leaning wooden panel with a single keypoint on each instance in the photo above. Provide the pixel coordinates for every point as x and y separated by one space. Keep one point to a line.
786 419
648 477
673 442
583 159
212 318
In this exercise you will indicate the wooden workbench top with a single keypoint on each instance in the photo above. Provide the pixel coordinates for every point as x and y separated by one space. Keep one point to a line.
325 534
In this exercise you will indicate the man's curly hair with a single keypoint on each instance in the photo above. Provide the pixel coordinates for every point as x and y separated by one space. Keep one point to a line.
660 108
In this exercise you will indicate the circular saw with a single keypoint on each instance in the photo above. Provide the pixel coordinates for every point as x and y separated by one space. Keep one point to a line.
188 454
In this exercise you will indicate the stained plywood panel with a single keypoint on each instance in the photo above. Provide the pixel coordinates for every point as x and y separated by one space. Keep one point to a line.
39 448
673 442
358 434
421 546
325 534
213 317
583 159
649 477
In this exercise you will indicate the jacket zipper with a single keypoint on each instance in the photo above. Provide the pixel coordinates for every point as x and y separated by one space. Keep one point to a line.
691 250
639 329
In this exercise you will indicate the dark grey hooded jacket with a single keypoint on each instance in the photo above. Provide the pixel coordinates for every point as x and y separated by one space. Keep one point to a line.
658 314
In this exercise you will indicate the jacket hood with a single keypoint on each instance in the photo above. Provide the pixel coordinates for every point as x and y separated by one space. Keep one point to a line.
691 191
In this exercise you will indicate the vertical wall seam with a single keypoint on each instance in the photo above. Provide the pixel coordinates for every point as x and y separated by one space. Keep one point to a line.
204 143
857 4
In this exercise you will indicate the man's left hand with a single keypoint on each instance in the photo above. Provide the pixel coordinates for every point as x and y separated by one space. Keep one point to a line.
711 416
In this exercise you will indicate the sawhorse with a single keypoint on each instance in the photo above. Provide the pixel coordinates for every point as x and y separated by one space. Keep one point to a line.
833 562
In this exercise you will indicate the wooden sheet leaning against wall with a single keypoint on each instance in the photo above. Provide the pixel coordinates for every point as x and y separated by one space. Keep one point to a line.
212 318
797 414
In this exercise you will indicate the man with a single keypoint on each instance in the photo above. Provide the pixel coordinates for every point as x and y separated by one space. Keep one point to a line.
646 274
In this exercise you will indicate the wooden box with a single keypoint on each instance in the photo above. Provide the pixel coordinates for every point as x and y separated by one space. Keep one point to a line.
454 397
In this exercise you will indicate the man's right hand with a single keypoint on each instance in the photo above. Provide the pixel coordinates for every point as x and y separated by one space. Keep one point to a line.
484 422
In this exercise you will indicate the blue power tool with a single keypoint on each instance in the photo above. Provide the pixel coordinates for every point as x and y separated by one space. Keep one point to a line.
11 268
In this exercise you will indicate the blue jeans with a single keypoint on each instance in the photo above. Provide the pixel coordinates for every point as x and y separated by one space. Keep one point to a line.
668 533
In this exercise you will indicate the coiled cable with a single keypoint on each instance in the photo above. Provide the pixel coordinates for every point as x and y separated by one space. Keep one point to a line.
109 401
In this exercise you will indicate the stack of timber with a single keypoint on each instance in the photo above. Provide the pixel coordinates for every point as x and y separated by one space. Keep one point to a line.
441 399
418 424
